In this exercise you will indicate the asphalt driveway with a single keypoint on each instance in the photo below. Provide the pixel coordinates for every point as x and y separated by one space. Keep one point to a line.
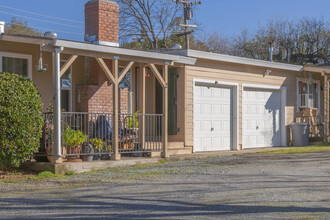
253 186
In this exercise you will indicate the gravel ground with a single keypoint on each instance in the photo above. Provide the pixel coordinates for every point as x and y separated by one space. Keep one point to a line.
252 186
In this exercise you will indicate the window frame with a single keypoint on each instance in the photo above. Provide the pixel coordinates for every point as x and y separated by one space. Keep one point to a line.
68 88
19 56
306 80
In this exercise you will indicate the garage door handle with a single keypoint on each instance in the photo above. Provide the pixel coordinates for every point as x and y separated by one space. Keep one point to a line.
257 127
212 129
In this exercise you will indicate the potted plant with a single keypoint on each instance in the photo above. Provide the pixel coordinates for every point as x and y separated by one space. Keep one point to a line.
87 152
133 123
73 139
97 144
107 149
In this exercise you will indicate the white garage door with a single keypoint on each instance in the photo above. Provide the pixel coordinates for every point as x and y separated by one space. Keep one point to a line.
261 118
212 118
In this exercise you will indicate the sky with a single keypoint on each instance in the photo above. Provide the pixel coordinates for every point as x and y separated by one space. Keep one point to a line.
228 17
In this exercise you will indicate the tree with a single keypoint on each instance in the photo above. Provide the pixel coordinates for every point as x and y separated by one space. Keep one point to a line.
150 23
20 27
303 42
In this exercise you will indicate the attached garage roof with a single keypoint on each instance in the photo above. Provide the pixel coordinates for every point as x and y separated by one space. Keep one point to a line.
234 59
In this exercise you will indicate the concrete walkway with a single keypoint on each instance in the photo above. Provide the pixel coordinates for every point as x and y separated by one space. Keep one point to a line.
80 167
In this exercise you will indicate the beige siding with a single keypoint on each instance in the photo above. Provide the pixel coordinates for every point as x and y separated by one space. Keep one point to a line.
44 80
241 74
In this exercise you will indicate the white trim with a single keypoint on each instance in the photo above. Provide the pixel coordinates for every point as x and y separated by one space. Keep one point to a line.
20 56
123 52
235 59
235 87
283 115
306 80
81 48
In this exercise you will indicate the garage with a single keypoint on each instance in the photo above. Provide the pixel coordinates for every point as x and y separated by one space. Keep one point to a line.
262 117
213 117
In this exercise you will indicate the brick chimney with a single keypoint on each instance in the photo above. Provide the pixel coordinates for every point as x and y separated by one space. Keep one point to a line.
102 22
101 27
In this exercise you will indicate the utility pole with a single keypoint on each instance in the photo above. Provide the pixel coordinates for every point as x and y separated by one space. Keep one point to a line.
187 15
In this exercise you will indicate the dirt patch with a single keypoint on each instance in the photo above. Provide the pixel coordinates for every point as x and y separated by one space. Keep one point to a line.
16 174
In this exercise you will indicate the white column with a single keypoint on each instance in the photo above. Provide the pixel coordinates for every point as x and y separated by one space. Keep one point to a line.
2 27
57 105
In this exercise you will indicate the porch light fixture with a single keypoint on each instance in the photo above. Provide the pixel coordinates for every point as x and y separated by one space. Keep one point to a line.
41 67
267 72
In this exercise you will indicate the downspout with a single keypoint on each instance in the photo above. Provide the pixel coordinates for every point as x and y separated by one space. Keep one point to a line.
57 104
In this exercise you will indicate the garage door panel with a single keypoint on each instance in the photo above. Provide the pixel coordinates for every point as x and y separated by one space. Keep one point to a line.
261 118
215 118
217 109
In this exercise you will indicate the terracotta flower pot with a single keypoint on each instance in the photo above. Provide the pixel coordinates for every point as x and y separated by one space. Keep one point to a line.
74 150
49 152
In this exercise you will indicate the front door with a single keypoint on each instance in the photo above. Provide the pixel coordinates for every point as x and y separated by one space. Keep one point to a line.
172 100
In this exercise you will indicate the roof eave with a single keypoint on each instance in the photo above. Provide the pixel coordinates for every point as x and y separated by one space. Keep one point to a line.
237 60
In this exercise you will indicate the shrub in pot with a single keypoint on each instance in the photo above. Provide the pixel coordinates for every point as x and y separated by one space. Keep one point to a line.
73 139
97 144
87 152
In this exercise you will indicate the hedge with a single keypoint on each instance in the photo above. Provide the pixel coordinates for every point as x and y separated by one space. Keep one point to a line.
20 119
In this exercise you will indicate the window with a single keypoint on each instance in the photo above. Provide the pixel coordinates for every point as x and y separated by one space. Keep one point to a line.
16 63
308 94
66 90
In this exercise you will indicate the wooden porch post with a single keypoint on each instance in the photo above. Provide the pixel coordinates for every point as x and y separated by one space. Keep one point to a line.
115 106
325 107
165 112
143 106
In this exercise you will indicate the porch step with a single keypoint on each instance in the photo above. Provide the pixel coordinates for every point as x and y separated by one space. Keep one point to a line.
175 145
180 151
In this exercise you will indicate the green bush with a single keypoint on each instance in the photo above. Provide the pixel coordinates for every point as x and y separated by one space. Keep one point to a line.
72 137
20 119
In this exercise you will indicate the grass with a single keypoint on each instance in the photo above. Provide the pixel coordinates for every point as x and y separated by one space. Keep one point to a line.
300 150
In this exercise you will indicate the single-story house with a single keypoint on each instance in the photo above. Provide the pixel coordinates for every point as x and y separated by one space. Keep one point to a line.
176 102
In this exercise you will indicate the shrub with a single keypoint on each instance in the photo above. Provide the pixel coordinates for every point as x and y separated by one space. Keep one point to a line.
72 137
20 119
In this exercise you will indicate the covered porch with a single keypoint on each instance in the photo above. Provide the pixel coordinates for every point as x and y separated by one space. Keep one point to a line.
106 133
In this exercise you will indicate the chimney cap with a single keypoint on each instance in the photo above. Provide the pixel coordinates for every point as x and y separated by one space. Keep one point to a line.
108 1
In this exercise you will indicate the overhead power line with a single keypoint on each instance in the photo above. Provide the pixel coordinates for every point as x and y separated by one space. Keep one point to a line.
36 19
47 29
38 14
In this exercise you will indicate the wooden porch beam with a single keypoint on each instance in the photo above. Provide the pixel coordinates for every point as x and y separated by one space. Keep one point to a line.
157 75
124 71
106 69
67 64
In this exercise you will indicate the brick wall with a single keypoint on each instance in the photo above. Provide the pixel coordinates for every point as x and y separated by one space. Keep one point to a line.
98 98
